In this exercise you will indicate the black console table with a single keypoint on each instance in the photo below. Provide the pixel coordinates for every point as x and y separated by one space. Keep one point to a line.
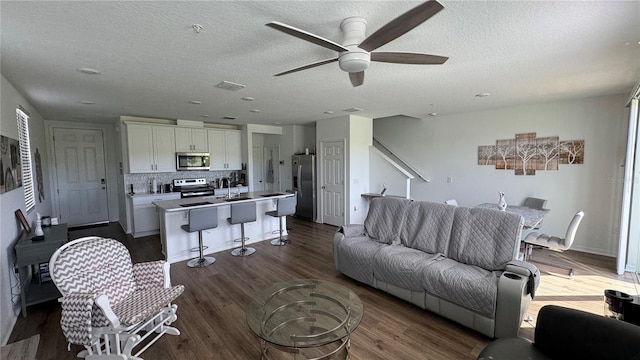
29 253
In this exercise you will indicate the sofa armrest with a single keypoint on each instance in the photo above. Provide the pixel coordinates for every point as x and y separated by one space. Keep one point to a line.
345 232
512 303
352 230
526 269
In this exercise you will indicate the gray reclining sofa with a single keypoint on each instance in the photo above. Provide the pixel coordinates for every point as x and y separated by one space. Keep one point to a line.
455 261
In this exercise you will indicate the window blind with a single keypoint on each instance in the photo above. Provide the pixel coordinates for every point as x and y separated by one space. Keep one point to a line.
25 159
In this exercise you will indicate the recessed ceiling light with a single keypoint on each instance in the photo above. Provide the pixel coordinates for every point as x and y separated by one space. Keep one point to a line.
204 116
195 102
329 112
254 111
248 98
276 123
229 118
353 109
231 86
89 71
87 102
433 114
482 95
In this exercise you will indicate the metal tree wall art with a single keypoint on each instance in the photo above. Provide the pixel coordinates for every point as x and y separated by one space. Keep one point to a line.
527 153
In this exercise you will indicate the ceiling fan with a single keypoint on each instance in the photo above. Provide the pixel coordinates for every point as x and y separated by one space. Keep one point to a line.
356 51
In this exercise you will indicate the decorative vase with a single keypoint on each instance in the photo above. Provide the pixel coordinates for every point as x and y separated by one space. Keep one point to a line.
502 203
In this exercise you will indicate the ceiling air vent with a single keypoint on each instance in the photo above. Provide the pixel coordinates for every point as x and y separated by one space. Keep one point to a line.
229 118
353 109
228 85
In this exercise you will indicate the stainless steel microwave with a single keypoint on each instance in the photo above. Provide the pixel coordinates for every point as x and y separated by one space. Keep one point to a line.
192 161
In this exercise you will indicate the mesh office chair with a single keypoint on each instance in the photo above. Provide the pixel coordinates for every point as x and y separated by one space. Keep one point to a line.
109 305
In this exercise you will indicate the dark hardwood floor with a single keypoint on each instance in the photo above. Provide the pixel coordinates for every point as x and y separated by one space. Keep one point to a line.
211 314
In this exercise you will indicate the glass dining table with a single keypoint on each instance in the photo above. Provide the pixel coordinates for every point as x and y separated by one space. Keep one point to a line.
532 217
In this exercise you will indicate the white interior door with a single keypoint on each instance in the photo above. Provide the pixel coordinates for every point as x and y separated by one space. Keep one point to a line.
272 168
333 167
80 176
258 169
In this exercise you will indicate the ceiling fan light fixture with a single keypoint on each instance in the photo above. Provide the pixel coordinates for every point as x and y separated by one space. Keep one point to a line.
354 61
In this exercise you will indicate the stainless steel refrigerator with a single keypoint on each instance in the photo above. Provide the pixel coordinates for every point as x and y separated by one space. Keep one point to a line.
304 182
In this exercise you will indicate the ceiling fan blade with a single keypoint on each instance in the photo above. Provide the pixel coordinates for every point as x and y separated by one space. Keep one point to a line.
401 25
357 78
408 58
308 66
305 35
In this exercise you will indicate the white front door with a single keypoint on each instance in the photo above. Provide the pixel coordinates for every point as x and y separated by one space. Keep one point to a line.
333 163
81 176
257 170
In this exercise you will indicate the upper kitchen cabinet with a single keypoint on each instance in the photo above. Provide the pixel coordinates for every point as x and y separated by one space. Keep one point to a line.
191 139
151 148
225 149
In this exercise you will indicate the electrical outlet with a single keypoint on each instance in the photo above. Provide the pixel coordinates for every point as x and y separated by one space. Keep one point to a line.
355 208
449 179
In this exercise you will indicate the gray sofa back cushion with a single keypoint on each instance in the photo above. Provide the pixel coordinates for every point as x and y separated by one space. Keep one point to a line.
385 218
486 238
427 227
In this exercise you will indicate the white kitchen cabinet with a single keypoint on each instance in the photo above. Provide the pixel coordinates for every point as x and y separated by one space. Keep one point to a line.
145 215
225 149
150 148
191 139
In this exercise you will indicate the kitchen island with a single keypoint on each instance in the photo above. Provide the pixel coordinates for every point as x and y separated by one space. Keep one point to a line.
176 243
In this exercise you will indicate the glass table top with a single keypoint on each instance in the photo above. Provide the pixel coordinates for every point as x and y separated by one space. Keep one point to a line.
304 313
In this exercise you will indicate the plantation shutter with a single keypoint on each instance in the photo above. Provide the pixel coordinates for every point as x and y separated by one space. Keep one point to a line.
25 159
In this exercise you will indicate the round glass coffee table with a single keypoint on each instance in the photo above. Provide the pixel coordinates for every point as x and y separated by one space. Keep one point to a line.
306 317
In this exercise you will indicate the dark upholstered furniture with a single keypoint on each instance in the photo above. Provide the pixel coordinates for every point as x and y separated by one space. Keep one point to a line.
563 333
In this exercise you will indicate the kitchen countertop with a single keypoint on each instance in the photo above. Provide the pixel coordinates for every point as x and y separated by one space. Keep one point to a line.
206 201
143 194
138 195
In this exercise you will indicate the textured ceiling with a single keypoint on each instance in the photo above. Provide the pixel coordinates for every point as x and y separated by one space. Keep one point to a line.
153 63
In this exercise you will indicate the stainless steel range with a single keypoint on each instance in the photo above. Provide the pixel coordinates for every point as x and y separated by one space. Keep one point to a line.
192 187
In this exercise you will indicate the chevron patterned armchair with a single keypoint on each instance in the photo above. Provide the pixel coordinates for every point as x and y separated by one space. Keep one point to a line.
114 308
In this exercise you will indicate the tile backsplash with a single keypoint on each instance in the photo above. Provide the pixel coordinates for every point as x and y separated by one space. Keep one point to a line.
141 182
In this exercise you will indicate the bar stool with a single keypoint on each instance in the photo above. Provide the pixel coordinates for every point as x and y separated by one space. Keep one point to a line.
201 219
242 213
285 206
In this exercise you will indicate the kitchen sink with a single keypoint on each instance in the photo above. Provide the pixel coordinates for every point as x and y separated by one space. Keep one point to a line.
237 199
197 204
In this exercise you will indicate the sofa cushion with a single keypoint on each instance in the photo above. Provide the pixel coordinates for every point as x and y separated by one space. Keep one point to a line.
466 285
486 238
402 266
427 226
385 218
356 257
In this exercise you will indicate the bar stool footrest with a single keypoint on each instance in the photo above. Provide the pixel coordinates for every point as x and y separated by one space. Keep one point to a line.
201 262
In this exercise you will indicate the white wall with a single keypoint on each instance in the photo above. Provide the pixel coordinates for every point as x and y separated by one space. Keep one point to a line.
382 173
360 139
356 131
10 201
446 146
